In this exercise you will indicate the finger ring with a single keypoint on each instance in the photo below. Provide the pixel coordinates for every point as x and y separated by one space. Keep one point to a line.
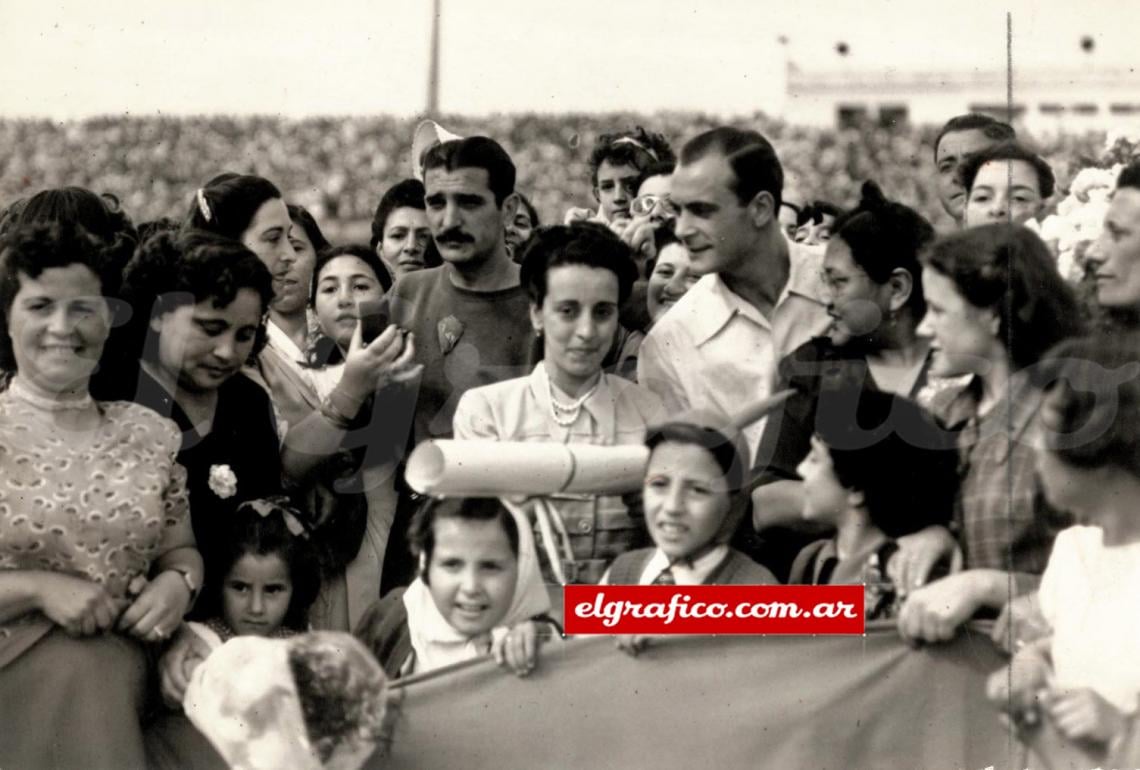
159 633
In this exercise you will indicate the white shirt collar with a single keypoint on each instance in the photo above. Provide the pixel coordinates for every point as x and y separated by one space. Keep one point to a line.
276 338
684 573
711 304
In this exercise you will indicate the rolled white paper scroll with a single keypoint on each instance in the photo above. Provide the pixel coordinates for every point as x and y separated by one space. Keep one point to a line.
483 468
479 468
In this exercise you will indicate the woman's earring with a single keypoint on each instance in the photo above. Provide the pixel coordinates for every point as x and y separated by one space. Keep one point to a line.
538 333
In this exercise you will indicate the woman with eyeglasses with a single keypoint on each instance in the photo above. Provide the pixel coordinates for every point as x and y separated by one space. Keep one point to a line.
873 278
652 213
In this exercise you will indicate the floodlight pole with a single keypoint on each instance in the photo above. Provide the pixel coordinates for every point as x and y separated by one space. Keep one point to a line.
433 66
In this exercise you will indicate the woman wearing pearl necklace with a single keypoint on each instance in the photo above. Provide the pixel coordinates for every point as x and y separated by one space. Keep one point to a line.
577 277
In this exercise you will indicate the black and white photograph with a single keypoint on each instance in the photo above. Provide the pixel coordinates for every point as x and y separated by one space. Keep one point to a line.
500 384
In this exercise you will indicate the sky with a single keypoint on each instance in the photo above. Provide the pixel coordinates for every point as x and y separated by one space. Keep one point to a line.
75 58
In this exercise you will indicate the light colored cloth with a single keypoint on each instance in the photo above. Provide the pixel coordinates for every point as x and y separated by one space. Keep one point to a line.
344 599
246 698
716 351
599 527
102 506
326 379
1088 595
683 574
436 643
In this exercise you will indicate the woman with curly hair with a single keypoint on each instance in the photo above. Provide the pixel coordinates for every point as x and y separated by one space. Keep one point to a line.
199 305
97 556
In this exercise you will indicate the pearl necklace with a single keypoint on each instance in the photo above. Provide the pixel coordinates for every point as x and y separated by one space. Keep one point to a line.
21 391
567 414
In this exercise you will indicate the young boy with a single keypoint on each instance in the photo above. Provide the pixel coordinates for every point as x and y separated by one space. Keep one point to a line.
692 507
885 471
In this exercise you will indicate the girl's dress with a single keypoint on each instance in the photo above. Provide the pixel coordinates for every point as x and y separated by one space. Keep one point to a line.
102 506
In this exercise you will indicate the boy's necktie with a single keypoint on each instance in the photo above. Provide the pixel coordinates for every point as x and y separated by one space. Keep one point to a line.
665 578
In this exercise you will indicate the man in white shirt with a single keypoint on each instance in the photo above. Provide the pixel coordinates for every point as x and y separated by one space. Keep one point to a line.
759 297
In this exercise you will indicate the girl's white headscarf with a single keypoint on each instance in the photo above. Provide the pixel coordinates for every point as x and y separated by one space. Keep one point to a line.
437 643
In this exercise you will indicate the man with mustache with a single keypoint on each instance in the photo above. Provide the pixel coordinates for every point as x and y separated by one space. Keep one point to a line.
470 316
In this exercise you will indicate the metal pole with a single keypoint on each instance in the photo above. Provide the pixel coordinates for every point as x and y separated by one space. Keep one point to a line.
433 65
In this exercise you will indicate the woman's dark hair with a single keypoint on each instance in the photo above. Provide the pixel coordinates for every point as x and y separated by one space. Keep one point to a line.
407 193
171 270
325 351
582 243
153 227
657 168
358 250
531 211
100 215
1008 268
421 533
895 453
1091 411
815 211
634 147
885 236
31 249
262 528
299 215
1010 151
228 203
662 237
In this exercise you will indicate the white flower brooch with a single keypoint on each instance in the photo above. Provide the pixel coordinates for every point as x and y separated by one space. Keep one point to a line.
223 481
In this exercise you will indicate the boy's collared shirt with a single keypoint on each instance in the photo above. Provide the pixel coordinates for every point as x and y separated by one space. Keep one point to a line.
715 350
685 573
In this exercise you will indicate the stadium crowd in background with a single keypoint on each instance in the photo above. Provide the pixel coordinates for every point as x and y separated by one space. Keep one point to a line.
221 337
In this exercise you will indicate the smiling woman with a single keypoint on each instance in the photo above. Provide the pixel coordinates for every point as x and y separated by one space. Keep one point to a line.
200 302
109 512
577 277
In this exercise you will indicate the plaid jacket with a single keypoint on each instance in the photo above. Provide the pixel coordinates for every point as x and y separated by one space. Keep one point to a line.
1003 519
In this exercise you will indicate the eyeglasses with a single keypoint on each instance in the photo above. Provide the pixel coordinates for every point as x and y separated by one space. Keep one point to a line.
643 205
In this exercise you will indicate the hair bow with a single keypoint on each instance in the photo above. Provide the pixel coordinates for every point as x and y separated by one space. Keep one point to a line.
267 506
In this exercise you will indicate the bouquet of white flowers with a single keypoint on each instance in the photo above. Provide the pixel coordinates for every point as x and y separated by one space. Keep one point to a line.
1080 216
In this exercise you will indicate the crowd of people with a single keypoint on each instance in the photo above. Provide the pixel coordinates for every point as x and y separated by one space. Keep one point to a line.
207 403
334 167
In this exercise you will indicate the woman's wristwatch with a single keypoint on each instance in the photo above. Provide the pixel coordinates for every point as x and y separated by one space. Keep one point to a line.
188 580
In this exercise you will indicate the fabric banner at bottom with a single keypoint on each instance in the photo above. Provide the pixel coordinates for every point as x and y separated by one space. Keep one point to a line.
721 702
